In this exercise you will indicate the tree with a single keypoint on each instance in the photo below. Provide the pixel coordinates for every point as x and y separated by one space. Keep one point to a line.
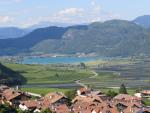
138 90
111 93
82 65
46 111
57 75
20 111
6 108
70 94
123 89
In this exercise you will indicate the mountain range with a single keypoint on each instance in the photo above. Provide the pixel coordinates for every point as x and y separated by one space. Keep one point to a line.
15 32
12 32
110 38
143 21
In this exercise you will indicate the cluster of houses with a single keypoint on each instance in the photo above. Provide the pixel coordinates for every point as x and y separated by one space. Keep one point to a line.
144 94
85 101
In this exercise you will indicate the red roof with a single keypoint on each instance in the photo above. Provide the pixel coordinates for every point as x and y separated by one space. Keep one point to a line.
147 92
10 94
126 97
30 103
62 109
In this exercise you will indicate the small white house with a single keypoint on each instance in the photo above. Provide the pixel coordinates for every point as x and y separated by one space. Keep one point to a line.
138 95
23 107
37 111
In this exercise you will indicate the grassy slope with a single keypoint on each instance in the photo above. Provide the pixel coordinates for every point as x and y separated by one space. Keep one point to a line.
129 90
47 74
44 91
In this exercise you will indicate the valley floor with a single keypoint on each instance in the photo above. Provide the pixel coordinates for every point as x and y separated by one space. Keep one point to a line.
134 73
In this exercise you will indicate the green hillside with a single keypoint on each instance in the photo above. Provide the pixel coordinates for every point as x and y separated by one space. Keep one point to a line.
111 38
23 44
10 77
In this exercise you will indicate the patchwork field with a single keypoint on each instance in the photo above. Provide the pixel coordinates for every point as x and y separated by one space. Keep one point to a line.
47 74
110 74
136 75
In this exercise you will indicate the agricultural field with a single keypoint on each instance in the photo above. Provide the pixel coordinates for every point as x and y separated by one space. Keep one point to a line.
110 62
133 75
110 74
47 74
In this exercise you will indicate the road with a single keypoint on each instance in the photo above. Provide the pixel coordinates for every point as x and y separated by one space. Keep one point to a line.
82 84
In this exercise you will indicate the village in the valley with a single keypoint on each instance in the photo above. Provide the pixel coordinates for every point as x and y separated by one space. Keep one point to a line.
86 100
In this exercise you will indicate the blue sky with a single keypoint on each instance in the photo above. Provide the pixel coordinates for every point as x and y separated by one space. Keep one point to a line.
24 13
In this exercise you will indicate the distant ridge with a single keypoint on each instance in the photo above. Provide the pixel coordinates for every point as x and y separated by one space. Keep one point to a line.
12 32
110 38
143 21
23 44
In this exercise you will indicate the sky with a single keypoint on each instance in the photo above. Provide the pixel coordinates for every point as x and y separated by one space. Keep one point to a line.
25 13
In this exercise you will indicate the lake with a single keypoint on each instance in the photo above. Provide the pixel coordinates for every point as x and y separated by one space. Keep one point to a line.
56 60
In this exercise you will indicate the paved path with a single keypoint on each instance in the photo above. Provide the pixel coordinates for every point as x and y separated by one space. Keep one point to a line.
34 94
82 84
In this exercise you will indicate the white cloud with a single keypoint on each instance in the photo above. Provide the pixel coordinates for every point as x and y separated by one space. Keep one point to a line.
80 15
76 15
5 19
70 11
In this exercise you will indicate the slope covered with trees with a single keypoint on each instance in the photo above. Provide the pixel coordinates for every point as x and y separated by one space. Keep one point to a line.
23 44
110 38
10 77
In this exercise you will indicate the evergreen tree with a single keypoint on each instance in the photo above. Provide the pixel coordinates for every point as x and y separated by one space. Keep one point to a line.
123 89
83 65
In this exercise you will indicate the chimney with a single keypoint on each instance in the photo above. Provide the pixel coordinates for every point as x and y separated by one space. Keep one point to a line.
17 87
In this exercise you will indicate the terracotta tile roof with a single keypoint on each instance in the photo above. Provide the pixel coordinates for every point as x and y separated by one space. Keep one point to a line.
126 97
44 104
10 94
82 90
30 104
147 92
97 109
86 111
131 109
89 104
53 97
88 99
61 109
